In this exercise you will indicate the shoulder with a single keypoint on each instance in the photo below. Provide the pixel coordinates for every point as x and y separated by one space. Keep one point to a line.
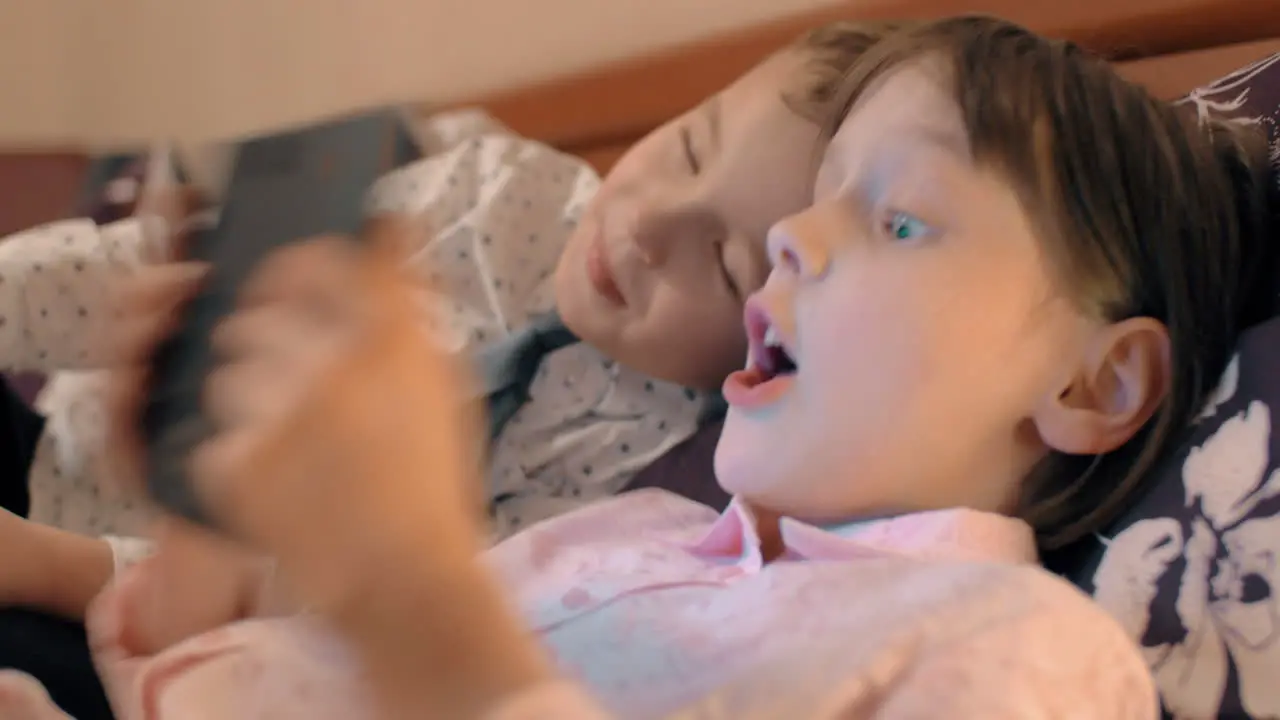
1047 647
74 232
491 171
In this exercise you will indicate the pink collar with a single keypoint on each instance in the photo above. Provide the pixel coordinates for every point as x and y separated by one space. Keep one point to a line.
954 534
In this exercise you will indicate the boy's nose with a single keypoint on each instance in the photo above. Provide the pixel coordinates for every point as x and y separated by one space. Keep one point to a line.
660 227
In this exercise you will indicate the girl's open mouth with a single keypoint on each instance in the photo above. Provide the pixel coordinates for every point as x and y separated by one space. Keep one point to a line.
771 367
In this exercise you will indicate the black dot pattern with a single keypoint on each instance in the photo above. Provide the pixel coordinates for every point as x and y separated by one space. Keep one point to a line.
500 210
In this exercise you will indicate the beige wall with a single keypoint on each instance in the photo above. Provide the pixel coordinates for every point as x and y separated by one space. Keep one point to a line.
125 71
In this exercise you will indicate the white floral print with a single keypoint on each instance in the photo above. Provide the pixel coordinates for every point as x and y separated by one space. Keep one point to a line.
1228 568
1226 388
1228 96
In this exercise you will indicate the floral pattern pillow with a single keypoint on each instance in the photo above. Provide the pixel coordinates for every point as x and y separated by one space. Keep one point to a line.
1193 570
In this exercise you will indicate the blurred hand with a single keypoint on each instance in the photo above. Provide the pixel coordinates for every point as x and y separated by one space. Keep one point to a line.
346 447
345 438
342 434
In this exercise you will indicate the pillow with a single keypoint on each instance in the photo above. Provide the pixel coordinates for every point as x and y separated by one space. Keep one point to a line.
1192 571
687 469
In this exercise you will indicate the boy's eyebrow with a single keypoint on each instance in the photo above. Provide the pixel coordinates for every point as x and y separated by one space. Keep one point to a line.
713 120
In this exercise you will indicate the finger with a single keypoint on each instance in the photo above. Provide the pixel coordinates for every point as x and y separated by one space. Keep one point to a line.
162 204
122 454
156 288
317 270
394 237
219 469
246 394
148 313
266 330
134 339
387 279
22 697
145 310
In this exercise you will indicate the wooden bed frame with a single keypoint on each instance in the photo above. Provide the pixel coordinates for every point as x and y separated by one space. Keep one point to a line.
1170 45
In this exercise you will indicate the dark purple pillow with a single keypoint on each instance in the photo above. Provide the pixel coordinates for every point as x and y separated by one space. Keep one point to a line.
1193 569
687 469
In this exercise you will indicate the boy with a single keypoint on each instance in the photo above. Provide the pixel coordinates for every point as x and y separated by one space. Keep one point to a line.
648 268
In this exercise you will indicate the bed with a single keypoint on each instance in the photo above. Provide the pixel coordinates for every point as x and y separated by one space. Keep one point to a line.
1171 46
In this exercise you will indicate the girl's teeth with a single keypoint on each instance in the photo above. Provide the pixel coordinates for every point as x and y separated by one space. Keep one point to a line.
771 337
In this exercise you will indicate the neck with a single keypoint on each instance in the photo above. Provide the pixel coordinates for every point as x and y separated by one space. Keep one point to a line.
769 529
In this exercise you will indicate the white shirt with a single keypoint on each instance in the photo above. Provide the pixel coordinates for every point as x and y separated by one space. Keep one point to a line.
501 208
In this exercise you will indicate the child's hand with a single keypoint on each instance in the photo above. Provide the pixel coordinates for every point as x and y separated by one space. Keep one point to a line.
342 432
146 308
195 582
23 698
344 436
347 448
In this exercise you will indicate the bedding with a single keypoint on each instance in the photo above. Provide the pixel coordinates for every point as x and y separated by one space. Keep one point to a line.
1191 569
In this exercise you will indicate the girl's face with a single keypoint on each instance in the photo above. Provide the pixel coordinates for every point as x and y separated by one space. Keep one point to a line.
922 319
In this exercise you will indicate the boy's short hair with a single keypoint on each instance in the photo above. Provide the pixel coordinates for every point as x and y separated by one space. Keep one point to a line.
1144 210
830 54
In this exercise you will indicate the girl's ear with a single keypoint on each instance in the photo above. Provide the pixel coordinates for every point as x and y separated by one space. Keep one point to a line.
1119 385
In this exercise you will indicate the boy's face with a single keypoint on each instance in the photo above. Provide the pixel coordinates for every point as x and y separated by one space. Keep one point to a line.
674 241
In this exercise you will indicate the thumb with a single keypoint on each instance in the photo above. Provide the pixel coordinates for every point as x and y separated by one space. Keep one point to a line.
393 238
162 205
389 277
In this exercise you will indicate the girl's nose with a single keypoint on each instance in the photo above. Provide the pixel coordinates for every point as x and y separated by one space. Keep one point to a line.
796 246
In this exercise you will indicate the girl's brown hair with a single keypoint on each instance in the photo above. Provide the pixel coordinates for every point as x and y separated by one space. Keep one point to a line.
1147 211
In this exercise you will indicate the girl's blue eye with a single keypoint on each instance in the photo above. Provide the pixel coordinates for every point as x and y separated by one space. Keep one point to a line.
902 226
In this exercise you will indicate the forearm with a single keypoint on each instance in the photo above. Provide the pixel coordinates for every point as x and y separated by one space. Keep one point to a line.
439 640
77 569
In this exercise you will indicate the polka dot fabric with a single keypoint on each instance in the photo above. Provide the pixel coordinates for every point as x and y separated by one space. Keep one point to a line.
53 306
500 207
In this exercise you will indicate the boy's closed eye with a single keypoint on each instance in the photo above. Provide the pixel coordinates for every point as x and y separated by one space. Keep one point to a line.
700 136
690 154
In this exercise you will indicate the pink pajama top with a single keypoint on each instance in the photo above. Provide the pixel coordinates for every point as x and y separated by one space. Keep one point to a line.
657 607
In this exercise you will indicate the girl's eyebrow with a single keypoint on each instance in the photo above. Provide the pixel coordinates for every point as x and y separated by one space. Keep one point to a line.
941 138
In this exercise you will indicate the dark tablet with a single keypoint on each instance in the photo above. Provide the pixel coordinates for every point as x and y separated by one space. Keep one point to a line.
284 188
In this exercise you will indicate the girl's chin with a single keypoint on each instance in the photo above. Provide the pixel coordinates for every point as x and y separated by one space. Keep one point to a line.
738 469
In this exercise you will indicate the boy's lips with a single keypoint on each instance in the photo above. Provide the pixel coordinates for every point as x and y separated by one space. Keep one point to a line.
600 274
770 370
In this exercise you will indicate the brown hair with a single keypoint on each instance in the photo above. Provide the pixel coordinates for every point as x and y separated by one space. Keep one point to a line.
831 52
1147 211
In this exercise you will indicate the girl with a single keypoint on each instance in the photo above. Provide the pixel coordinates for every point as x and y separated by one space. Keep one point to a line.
1013 260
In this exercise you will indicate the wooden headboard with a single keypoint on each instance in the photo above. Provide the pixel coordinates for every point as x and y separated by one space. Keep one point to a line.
1171 45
